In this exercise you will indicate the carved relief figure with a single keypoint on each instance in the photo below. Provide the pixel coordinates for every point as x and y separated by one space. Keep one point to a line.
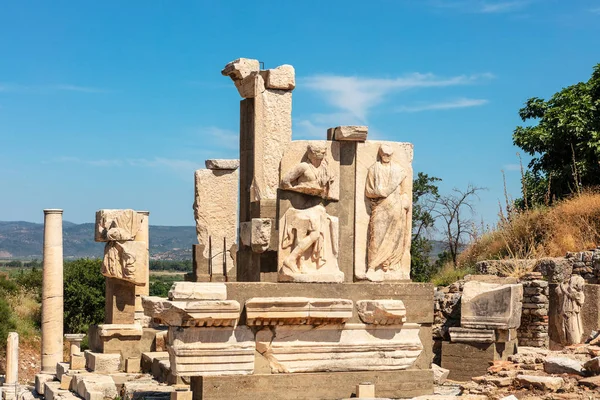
387 234
568 319
313 176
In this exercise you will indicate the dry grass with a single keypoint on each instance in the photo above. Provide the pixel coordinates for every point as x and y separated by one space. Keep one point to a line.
570 225
27 311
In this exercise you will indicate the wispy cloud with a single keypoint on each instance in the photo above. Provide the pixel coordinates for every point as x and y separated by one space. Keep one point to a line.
447 105
595 10
482 6
358 95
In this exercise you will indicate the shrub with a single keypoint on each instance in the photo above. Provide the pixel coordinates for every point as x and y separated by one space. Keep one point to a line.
84 295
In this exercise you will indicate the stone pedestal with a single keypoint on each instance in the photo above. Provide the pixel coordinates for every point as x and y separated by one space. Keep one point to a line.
12 359
75 354
466 360
52 291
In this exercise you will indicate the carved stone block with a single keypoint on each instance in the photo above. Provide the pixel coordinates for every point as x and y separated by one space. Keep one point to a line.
184 291
312 167
466 335
350 347
308 246
117 225
348 133
297 311
222 164
192 313
381 312
257 234
126 260
211 351
383 212
491 305
282 77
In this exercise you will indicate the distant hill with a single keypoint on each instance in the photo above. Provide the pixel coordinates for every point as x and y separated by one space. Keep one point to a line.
20 239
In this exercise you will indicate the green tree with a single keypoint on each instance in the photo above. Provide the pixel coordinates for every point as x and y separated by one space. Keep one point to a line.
7 318
84 295
565 142
425 195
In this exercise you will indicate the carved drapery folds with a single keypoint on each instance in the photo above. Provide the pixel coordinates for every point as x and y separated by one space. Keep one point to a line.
124 258
568 317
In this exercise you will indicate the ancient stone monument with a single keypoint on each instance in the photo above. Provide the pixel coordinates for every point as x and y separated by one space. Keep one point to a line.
12 359
570 299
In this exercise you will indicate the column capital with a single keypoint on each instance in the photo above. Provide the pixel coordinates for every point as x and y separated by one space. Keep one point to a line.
53 211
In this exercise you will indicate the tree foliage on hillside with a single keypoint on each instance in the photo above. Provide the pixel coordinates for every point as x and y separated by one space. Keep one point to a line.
84 296
565 142
425 194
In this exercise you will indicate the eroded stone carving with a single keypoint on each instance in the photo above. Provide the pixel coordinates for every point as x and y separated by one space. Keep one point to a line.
211 351
186 291
568 317
349 347
312 175
297 311
491 305
467 335
308 246
124 258
388 238
192 313
256 234
381 312
383 211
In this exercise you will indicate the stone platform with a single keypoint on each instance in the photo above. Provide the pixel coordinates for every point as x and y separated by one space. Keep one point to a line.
466 360
311 386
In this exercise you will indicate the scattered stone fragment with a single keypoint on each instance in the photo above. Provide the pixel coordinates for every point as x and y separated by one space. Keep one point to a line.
439 374
563 365
593 365
222 164
591 382
540 382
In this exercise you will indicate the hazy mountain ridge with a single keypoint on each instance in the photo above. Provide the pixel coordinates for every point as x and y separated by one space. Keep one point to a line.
20 239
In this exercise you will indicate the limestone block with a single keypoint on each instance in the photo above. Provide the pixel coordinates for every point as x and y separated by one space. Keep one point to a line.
126 260
312 167
183 291
133 365
439 374
40 381
240 68
251 86
563 365
222 164
381 312
350 347
466 335
297 311
540 382
282 77
257 234
121 225
491 305
119 330
211 351
365 391
308 246
192 313
350 133
182 395
77 362
215 212
65 382
383 211
149 357
146 388
61 369
52 390
88 386
99 362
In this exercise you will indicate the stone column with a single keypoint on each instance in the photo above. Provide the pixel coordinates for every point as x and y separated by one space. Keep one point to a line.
12 359
52 291
74 340
143 236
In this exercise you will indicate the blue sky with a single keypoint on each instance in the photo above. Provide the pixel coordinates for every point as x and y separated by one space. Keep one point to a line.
114 104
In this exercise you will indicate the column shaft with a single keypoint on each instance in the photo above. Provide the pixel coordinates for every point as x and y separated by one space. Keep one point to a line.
12 359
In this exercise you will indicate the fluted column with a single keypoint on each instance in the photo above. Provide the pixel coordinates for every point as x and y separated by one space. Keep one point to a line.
52 291
12 359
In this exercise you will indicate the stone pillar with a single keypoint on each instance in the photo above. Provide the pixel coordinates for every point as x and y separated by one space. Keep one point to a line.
265 131
143 236
74 340
12 359
52 291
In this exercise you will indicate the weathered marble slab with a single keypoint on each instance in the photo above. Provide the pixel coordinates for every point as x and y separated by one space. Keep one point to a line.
348 133
393 219
297 311
322 181
256 234
218 163
467 335
211 351
119 225
350 347
215 211
119 330
491 305
381 312
184 291
192 313
126 260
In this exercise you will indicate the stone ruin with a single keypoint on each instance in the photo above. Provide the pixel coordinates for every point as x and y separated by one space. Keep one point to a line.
301 280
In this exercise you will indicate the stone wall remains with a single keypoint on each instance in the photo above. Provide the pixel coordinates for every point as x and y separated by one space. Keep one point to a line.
533 331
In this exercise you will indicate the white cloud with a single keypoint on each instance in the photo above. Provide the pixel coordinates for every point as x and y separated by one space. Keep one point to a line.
448 105
358 95
481 6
